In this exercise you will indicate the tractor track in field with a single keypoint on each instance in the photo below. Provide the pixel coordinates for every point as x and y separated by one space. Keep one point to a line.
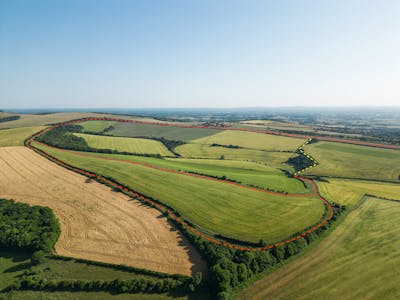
165 209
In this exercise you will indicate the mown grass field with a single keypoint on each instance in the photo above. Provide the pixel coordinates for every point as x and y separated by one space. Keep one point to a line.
132 145
344 160
273 159
96 126
219 207
16 136
252 140
168 132
349 192
359 260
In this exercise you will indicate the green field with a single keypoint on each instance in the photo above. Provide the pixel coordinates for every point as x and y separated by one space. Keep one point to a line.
96 126
219 207
132 145
17 136
275 159
13 264
252 140
168 132
359 260
344 160
248 173
349 192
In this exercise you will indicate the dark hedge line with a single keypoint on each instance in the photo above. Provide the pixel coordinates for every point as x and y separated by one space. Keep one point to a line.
225 146
8 119
135 285
230 268
124 268
33 228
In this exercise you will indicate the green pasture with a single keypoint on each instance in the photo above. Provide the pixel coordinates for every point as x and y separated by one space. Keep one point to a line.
96 126
349 192
219 207
252 140
168 132
248 173
273 159
358 261
122 144
17 136
345 160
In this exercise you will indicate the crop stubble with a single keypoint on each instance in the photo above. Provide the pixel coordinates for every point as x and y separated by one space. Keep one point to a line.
96 223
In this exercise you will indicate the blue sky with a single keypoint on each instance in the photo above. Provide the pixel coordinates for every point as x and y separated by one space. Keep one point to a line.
198 53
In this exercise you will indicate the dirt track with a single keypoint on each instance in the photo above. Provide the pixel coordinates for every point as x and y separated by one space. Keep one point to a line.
96 223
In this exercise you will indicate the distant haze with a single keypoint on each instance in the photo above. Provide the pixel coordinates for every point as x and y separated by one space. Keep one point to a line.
147 54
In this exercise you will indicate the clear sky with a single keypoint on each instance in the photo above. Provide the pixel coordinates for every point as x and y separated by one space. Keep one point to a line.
206 53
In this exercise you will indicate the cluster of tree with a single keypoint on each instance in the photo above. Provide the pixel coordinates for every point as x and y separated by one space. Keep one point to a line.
300 162
225 146
230 268
8 119
62 137
33 228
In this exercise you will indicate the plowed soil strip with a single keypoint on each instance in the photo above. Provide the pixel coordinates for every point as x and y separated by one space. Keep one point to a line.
96 223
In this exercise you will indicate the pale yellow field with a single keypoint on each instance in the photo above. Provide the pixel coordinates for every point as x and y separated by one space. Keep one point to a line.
96 223
16 136
272 159
122 144
349 192
252 140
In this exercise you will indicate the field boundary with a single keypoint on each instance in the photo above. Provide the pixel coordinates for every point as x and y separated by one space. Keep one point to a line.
314 161
170 212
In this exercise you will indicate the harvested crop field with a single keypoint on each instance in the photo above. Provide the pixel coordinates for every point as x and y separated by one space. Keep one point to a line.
96 223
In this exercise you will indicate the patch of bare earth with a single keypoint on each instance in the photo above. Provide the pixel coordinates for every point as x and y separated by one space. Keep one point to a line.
96 223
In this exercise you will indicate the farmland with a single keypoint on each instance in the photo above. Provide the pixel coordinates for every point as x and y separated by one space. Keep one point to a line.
96 223
225 209
16 136
275 159
359 260
349 192
121 144
149 130
251 140
343 160
228 186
